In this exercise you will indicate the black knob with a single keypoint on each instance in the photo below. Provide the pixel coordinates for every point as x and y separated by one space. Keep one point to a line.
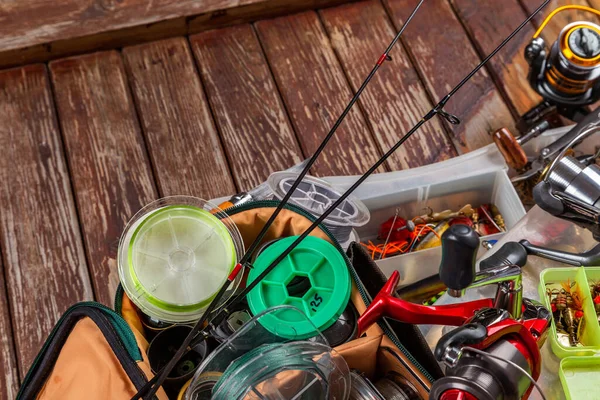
459 250
511 253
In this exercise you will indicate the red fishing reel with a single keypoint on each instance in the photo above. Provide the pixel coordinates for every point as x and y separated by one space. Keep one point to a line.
489 337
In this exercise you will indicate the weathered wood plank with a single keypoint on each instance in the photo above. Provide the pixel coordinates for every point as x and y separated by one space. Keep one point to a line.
442 53
37 32
316 92
396 98
45 265
248 110
488 23
560 20
9 376
27 23
182 139
111 173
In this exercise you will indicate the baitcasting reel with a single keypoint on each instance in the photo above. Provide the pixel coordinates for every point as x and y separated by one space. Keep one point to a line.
496 336
567 75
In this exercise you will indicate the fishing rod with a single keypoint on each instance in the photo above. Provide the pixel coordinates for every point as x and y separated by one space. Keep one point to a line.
438 109
385 56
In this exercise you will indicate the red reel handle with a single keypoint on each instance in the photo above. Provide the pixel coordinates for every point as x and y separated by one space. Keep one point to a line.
386 305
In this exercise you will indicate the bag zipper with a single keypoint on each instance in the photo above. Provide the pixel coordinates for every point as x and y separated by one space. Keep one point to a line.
363 293
114 328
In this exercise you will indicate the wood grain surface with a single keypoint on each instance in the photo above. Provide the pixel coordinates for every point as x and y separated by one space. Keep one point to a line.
395 99
315 91
560 20
595 4
182 139
9 375
110 170
489 23
69 39
27 22
44 260
248 110
443 54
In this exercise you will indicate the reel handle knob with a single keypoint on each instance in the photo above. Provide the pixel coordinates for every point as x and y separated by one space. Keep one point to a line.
459 250
510 148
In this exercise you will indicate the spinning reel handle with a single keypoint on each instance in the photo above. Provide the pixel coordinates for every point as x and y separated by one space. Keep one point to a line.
510 148
459 250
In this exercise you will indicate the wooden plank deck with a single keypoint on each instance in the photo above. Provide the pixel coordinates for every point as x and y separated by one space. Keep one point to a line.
90 139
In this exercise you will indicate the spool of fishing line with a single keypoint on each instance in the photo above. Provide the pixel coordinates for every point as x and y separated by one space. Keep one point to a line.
297 370
362 388
253 335
342 330
315 196
175 254
314 278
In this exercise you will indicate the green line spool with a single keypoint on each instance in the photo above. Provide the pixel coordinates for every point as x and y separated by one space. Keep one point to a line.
314 278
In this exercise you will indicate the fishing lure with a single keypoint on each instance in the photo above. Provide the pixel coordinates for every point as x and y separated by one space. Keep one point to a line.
567 306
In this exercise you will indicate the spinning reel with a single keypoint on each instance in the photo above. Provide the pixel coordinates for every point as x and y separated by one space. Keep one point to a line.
492 332
566 75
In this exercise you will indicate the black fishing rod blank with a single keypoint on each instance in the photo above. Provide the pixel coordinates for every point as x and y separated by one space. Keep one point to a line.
159 378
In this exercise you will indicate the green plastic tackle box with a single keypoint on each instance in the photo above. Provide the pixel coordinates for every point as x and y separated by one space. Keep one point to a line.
579 370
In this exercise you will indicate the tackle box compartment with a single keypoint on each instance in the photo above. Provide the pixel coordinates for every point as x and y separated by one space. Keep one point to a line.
590 335
579 369
475 178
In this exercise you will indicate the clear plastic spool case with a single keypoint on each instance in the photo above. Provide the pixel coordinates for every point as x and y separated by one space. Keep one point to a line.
174 256
316 195
256 363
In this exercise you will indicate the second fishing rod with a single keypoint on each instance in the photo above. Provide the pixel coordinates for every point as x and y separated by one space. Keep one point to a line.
438 109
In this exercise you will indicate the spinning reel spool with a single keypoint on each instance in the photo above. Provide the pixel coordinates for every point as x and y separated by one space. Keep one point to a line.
571 189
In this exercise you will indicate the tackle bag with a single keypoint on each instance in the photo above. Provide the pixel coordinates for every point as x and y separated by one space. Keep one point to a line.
94 352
